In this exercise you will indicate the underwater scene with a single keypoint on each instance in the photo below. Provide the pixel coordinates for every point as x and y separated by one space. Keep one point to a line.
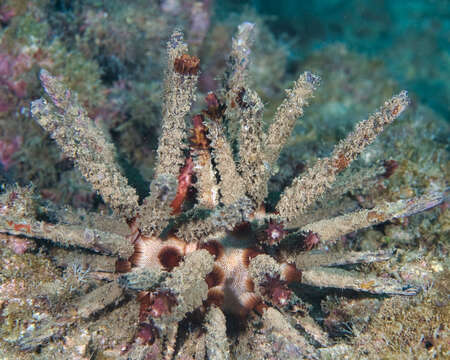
220 180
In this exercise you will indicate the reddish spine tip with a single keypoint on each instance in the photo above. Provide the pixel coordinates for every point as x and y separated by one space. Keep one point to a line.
215 109
198 138
310 241
162 304
280 296
146 333
275 232
187 64
211 100
197 121
276 290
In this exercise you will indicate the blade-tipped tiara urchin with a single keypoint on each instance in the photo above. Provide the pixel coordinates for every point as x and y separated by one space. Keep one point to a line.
222 252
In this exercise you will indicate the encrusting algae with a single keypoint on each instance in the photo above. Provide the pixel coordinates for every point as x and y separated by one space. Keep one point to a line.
202 268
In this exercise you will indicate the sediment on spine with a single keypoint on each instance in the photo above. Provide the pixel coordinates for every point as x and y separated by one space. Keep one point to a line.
330 230
231 184
179 92
156 211
287 114
244 115
69 235
98 299
262 266
252 164
217 346
222 219
306 260
305 191
239 61
343 279
206 184
187 283
142 279
259 153
265 265
280 331
81 140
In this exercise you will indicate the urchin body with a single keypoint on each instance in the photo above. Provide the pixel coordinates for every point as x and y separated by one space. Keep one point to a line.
221 251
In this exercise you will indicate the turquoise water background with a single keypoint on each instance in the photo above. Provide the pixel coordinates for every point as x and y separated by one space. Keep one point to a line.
412 38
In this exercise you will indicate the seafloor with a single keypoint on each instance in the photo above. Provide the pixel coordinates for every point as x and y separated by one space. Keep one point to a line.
112 54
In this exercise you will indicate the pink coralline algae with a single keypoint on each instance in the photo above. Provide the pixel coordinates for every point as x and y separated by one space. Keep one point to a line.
10 68
6 13
7 151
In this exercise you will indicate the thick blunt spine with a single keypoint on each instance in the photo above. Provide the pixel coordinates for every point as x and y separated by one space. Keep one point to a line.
287 114
329 230
179 92
79 139
180 85
306 190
